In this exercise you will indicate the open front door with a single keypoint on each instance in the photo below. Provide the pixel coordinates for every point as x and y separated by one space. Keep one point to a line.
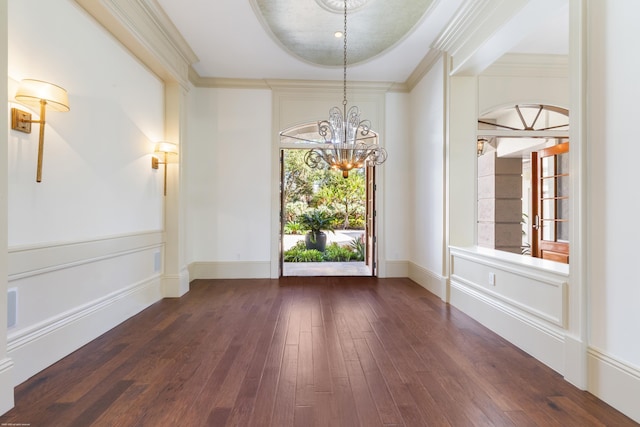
550 190
370 232
282 217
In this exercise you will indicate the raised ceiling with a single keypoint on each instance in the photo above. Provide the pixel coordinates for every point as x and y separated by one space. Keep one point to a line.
307 28
294 39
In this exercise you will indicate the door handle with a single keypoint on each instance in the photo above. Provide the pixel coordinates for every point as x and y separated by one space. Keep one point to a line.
536 222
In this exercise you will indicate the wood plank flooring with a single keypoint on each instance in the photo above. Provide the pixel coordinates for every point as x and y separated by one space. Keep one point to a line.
303 351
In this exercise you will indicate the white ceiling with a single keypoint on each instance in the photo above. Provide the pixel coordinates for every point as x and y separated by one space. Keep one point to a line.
233 38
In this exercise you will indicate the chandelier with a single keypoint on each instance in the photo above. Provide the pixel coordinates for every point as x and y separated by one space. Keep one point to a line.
345 135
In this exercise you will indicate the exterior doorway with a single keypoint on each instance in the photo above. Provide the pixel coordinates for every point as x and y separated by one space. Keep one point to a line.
347 205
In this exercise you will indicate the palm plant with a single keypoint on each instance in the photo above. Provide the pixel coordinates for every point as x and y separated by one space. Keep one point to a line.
315 221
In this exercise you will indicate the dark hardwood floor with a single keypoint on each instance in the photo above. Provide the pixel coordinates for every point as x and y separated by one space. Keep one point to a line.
303 351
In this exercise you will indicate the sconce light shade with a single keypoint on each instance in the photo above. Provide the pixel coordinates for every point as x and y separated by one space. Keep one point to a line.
480 146
165 148
32 92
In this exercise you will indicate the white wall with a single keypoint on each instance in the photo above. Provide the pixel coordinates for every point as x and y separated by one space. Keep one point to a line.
85 244
96 174
613 203
6 364
232 175
229 181
397 181
426 182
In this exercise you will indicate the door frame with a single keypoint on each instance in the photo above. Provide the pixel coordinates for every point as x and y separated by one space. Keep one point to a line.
370 232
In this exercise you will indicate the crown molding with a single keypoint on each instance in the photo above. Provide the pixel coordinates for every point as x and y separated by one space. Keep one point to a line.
427 63
471 14
226 83
331 85
146 31
172 35
279 84
482 31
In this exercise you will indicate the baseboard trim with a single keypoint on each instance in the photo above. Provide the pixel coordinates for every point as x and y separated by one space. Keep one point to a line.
6 385
397 269
39 346
230 270
429 280
615 382
175 286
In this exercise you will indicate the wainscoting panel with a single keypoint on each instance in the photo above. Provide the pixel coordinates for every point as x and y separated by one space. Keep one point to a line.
527 305
70 293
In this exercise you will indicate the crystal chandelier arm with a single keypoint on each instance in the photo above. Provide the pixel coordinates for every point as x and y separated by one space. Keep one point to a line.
314 159
326 131
365 127
377 155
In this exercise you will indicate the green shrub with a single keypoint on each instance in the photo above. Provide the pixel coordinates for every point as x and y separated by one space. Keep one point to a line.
293 228
299 253
354 251
336 253
311 255
358 248
356 223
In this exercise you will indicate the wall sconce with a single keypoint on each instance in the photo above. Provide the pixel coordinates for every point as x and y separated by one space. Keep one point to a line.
165 148
480 146
34 93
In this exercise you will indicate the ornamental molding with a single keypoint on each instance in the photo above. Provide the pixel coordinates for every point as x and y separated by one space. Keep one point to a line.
337 6
148 33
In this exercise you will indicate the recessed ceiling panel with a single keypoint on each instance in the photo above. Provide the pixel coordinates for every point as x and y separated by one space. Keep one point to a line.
306 28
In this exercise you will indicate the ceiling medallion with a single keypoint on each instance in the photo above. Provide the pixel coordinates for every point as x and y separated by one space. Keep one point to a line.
337 6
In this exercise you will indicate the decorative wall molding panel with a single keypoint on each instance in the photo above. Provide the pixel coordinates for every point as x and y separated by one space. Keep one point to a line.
525 304
70 293
25 261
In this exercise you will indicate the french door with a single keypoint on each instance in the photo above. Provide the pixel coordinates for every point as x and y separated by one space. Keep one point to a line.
550 190
370 223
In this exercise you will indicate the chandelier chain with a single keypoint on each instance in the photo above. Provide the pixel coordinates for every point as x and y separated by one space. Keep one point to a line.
344 84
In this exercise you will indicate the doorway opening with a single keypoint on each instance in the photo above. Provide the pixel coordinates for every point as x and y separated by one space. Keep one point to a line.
523 181
342 209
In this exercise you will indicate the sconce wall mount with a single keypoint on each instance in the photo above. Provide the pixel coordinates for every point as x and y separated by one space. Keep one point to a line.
21 120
